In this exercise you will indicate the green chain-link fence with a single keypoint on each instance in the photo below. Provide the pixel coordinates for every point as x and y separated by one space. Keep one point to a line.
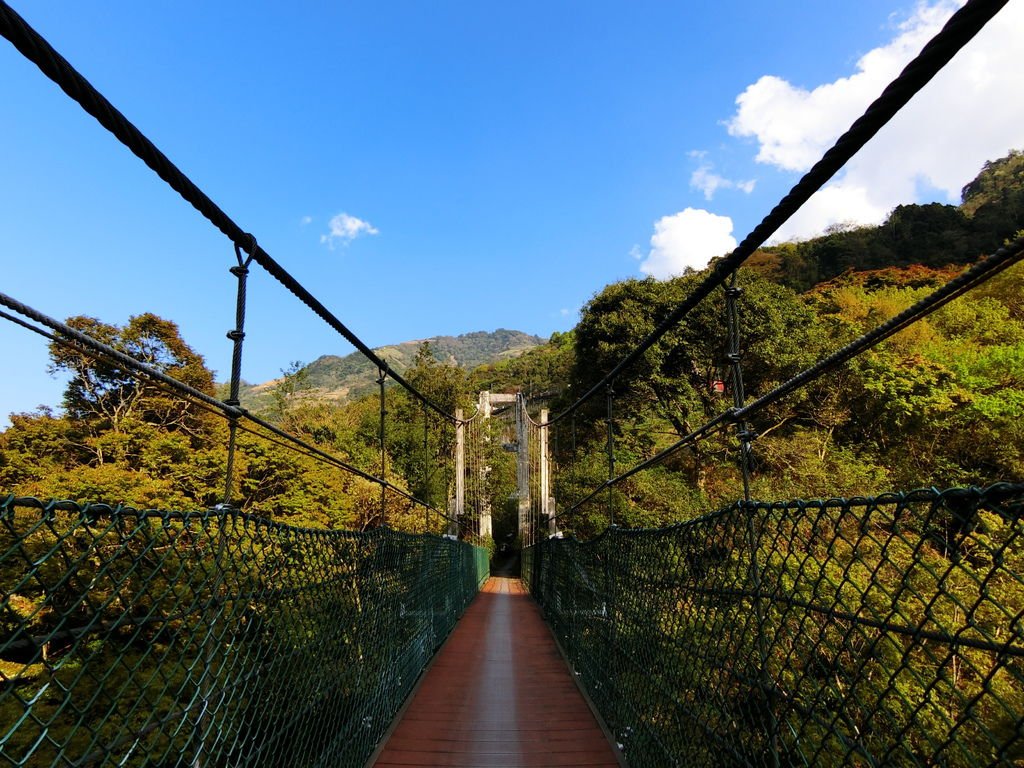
869 631
144 638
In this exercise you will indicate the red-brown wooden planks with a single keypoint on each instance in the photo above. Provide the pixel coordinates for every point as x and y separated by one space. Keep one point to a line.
498 694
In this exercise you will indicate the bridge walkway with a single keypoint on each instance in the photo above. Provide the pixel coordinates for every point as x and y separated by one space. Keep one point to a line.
499 693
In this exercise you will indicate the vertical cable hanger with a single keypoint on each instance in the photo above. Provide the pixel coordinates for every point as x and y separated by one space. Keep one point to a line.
610 397
470 475
426 470
746 436
237 335
572 456
382 378
733 358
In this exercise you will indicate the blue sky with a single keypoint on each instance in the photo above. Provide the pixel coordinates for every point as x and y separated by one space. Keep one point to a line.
445 167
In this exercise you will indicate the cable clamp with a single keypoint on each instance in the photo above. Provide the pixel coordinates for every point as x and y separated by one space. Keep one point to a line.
732 358
243 263
239 271
733 291
235 335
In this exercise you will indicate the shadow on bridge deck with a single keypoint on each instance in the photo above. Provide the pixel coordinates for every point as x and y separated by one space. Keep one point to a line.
498 694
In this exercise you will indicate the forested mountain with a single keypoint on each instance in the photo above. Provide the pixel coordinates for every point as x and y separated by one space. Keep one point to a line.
343 379
940 403
934 235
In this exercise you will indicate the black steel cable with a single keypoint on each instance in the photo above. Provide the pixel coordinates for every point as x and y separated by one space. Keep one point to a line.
27 326
175 391
958 31
314 453
68 335
293 445
37 50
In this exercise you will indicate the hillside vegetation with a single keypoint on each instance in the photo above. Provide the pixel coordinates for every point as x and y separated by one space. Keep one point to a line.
933 235
939 404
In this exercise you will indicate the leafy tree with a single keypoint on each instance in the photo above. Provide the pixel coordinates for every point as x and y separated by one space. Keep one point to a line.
929 403
428 471
679 382
539 373
925 234
999 180
294 380
101 397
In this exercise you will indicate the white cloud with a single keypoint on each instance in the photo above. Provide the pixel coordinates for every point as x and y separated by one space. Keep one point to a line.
564 312
968 114
345 228
707 181
834 204
688 239
794 126
305 220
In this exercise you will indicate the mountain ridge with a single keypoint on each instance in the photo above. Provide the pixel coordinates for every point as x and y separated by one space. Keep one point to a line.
343 378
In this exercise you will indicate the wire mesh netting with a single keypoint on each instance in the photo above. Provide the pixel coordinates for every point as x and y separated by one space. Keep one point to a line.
145 638
868 631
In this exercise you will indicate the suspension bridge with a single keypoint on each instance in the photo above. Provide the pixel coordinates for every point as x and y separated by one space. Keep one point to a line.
883 630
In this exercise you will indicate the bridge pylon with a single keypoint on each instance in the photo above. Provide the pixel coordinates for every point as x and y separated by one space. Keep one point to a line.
523 469
529 440
547 501
484 411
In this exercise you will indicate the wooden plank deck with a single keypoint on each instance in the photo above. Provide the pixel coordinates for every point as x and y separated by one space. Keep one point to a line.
498 694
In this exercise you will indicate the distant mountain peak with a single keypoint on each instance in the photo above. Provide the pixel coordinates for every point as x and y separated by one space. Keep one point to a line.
343 378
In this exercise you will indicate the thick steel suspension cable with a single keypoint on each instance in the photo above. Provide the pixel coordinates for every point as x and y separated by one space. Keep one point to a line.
958 31
37 50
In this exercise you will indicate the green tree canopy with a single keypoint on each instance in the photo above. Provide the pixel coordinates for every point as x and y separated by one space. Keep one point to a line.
103 396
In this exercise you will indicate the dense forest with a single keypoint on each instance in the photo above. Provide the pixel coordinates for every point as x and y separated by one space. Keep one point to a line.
938 404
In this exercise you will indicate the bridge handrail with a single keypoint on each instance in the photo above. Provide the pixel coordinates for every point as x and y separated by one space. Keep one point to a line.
213 637
883 630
